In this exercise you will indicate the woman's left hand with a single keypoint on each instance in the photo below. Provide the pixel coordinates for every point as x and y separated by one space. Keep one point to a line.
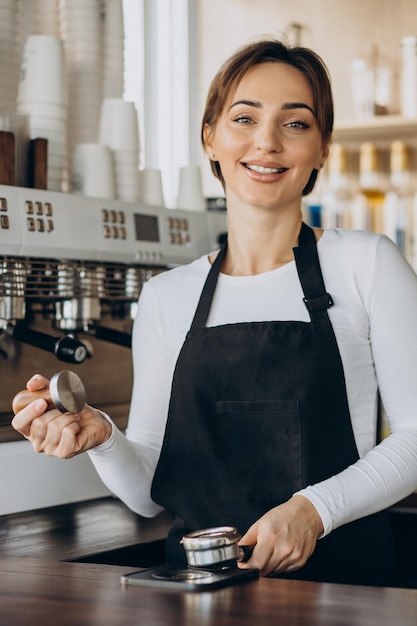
284 538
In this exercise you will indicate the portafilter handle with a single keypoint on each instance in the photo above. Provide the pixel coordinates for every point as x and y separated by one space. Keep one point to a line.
65 348
112 335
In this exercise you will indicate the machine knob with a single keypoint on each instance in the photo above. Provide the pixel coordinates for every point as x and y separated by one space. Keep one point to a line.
70 350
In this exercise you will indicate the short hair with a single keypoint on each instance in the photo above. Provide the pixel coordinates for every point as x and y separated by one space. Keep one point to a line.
308 62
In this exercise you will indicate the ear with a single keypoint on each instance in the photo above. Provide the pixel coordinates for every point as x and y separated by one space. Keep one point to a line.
324 154
208 141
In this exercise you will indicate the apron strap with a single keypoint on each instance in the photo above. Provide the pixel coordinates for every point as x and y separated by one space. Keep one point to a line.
316 298
206 297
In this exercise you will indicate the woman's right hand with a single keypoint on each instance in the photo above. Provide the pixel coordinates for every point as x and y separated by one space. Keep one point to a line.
62 435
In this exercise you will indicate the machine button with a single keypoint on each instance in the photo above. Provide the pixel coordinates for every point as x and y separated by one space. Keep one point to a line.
113 217
115 232
3 204
48 209
39 208
29 207
121 217
123 234
50 226
4 222
30 222
105 215
106 232
40 225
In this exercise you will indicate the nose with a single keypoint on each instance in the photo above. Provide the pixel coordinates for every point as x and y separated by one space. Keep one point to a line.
268 138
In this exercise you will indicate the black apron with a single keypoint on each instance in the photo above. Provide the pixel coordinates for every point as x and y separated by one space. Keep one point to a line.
258 411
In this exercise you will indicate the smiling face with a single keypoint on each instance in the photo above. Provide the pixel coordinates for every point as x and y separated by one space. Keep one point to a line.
267 141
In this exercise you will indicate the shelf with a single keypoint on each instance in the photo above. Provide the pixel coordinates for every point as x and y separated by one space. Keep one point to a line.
381 129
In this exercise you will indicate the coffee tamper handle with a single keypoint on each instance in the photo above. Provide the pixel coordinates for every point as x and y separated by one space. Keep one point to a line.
67 392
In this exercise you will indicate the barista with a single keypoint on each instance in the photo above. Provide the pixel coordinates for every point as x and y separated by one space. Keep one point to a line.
256 369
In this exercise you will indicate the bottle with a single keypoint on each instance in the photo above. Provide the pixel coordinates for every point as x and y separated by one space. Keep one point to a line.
399 200
336 198
409 76
371 195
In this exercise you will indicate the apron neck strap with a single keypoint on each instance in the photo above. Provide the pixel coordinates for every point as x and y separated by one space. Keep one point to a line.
204 304
315 298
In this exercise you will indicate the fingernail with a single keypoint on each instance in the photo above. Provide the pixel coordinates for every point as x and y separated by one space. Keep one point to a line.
39 404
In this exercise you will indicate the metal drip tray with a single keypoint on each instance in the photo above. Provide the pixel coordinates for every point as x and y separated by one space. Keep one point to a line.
188 579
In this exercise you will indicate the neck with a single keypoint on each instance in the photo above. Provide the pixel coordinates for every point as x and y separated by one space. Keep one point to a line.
260 246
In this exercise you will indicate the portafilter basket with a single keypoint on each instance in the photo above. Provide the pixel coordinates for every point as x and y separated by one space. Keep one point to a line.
215 548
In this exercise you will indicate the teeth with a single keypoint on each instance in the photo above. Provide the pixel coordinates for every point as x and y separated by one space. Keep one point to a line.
264 170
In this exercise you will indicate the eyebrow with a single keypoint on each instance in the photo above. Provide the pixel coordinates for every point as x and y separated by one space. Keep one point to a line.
286 106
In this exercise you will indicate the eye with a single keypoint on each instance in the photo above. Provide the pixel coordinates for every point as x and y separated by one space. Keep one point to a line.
298 124
242 119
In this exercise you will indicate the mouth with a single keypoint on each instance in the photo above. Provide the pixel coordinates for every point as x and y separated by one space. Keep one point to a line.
260 169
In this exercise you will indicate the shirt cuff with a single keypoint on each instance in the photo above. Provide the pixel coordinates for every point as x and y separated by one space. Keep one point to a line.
107 445
320 507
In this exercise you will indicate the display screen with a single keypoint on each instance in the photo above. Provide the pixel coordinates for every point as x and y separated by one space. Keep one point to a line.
146 227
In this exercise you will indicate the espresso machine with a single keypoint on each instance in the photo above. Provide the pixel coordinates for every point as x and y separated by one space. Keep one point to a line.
71 271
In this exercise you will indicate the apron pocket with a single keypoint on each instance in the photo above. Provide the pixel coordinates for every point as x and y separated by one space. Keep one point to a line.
258 449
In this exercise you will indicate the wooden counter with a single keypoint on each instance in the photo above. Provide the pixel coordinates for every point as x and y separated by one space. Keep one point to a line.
37 585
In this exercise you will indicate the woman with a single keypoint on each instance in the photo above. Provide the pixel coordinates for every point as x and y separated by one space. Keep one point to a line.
266 356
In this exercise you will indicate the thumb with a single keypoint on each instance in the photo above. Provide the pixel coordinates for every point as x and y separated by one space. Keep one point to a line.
250 538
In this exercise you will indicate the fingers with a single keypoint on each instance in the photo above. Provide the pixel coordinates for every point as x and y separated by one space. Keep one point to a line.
37 382
36 387
50 432
23 419
285 537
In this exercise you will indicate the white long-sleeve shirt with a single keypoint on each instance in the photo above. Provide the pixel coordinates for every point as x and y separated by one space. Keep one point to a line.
375 323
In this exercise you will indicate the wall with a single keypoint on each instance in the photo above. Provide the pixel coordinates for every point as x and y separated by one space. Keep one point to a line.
339 31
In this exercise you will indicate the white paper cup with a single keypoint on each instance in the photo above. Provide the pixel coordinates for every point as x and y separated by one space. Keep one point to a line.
119 127
151 185
92 171
190 190
44 109
42 76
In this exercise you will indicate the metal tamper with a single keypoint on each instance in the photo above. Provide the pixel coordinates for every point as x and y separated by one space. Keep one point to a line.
67 392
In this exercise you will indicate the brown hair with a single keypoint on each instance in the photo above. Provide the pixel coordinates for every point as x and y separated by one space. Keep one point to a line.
232 71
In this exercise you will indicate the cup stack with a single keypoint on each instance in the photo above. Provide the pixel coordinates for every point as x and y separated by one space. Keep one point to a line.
92 171
190 189
119 131
42 96
113 49
80 25
9 62
151 186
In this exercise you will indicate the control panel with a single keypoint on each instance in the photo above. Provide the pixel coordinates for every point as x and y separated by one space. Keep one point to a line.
38 223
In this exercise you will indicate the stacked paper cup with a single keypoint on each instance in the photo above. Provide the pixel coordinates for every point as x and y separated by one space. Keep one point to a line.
42 96
92 171
119 131
9 62
80 25
113 48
